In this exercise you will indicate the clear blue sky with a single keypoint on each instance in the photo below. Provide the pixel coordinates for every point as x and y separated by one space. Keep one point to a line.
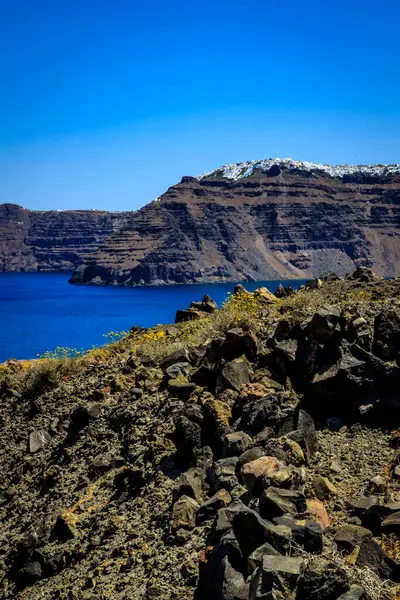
106 103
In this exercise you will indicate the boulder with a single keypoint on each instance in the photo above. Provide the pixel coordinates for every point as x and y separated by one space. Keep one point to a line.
239 342
252 531
275 502
321 580
189 314
317 510
255 559
265 471
239 289
305 434
191 483
276 578
234 375
280 291
178 356
323 488
314 284
217 417
178 369
363 503
254 472
209 509
391 524
64 528
347 537
372 556
220 573
386 342
306 533
275 409
293 451
223 474
262 438
355 592
373 517
207 305
265 295
29 574
38 439
251 392
184 513
236 443
338 384
186 437
324 324
181 387
364 274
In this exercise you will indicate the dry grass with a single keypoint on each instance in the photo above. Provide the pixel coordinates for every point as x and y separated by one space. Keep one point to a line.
391 545
47 373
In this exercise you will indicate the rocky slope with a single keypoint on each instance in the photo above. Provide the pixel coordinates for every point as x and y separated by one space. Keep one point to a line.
245 453
258 221
251 221
51 240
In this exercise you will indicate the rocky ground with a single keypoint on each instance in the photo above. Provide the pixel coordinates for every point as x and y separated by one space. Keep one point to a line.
245 453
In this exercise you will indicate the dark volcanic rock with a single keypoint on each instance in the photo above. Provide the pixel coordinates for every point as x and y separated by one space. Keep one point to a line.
322 580
276 577
372 556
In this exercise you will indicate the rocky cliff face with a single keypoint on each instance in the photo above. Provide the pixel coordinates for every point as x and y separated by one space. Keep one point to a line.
258 221
51 240
251 221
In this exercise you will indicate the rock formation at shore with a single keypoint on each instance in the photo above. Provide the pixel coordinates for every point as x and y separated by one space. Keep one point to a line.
245 453
252 221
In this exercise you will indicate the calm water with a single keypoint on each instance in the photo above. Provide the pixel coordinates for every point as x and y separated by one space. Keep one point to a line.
40 311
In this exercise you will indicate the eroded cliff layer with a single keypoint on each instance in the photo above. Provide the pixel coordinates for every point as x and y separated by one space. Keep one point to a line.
51 240
257 221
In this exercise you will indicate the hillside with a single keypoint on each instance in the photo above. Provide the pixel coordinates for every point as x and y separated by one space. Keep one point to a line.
252 221
249 452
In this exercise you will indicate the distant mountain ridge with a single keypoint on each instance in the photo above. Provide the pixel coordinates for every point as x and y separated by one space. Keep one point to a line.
269 219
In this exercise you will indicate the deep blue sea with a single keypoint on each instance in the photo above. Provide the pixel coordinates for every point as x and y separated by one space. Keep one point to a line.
40 311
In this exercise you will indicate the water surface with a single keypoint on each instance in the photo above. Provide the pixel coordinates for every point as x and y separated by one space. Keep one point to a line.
40 311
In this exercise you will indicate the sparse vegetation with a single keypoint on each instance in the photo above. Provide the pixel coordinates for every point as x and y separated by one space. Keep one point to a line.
42 374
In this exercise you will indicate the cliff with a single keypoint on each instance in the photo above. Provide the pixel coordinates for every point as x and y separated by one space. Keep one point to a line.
252 221
51 240
258 220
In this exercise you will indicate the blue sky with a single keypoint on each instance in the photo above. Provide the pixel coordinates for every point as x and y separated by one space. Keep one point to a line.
104 104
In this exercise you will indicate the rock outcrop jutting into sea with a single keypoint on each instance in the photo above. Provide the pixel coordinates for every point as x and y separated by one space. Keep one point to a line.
256 220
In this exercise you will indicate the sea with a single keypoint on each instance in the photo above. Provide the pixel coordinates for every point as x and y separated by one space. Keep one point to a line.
42 311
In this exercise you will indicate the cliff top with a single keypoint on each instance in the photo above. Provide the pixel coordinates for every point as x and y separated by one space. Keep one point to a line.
246 169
